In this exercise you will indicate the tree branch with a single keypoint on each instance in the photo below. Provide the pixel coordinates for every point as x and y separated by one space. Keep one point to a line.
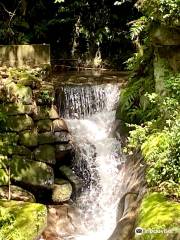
11 14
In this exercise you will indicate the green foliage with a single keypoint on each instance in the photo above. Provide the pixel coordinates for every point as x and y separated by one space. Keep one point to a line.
153 118
159 139
135 106
137 27
86 26
172 84
164 11
46 97
6 218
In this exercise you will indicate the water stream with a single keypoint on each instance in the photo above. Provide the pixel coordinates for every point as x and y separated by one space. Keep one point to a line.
89 111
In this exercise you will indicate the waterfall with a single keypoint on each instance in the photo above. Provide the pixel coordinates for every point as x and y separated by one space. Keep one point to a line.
89 111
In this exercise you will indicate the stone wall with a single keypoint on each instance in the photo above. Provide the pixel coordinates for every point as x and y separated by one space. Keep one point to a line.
24 55
34 140
167 54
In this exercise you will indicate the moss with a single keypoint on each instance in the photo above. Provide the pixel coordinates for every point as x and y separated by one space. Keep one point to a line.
18 123
44 125
16 109
158 213
22 221
45 153
13 149
31 172
29 138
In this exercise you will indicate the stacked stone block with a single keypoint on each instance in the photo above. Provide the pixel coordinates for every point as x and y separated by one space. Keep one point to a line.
34 140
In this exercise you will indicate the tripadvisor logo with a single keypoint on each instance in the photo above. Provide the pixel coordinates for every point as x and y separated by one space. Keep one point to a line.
139 231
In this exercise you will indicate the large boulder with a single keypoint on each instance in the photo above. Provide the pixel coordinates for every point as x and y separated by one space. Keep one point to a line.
22 220
62 191
31 172
28 138
16 109
59 125
19 123
16 193
45 138
45 153
44 125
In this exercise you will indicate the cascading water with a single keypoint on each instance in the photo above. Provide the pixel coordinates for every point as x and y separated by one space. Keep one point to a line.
89 111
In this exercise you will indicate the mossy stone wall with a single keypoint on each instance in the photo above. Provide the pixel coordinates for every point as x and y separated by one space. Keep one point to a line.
31 131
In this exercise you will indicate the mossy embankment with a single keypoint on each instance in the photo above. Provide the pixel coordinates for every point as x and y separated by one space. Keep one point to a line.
159 218
21 221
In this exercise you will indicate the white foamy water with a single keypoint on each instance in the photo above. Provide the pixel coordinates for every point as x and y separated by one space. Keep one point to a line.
90 114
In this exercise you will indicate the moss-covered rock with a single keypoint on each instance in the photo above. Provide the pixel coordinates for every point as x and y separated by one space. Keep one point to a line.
28 138
23 151
59 125
161 215
31 172
46 113
62 137
75 181
16 193
19 123
45 153
165 36
50 137
21 221
63 150
20 150
19 93
16 109
30 81
46 138
44 125
62 191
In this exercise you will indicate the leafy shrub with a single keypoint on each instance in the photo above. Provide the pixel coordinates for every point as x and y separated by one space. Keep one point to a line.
135 106
158 132
161 151
165 11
